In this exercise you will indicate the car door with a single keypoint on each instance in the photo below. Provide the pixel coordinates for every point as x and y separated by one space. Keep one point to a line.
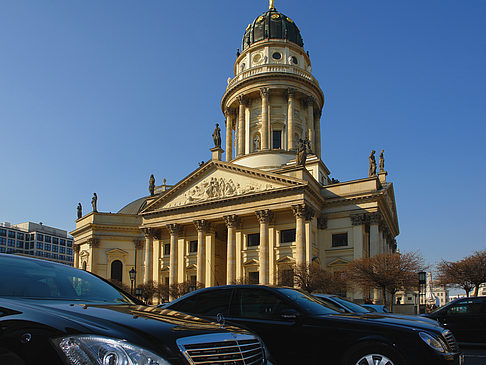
275 320
464 319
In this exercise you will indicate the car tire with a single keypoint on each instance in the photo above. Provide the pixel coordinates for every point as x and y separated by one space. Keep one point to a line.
370 352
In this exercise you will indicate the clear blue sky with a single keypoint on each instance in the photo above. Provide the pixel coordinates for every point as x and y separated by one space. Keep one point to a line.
97 95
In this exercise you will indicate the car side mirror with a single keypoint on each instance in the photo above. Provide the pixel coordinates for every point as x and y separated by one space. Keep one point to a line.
289 313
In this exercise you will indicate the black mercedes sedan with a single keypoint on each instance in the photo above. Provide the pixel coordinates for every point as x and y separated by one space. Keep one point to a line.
53 314
300 329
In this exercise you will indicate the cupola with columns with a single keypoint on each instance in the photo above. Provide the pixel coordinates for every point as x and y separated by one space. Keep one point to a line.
273 100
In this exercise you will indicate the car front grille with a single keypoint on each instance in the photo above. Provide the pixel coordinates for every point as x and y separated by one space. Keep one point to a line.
222 349
450 340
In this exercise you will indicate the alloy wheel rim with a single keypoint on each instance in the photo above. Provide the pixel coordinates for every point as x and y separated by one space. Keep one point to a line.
374 359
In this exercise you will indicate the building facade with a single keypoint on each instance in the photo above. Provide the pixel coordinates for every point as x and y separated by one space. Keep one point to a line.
268 205
36 239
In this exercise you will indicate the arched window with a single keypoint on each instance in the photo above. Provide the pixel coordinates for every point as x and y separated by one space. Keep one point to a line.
116 270
85 265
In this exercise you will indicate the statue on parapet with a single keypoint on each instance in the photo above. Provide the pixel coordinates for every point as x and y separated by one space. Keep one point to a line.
217 136
302 150
94 202
382 162
80 210
372 160
152 185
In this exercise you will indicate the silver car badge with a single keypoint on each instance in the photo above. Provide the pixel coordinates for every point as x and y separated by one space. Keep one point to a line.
220 319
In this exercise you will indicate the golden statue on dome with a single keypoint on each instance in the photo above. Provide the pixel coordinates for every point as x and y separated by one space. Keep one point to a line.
271 5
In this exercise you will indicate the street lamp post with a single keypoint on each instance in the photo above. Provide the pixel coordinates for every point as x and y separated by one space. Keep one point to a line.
422 277
133 275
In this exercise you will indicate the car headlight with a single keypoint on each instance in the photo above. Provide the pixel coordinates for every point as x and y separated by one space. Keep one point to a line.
436 343
98 350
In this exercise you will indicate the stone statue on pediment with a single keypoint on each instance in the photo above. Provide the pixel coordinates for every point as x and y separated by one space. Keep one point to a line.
80 210
217 136
152 185
382 162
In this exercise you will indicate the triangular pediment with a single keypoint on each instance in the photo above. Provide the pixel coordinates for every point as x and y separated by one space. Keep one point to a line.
219 180
116 252
338 262
250 262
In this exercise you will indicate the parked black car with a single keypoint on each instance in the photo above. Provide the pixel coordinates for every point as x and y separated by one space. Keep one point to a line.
344 305
299 329
466 317
53 314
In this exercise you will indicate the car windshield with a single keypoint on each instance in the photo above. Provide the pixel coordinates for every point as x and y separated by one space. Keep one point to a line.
353 307
38 279
306 301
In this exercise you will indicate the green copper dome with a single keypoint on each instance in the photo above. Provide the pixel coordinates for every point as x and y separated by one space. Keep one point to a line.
272 25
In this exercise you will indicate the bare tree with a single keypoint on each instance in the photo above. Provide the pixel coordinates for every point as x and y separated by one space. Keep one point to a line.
177 290
387 272
120 285
467 274
313 278
149 290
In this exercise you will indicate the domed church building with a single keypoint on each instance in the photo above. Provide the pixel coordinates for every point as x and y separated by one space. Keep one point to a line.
268 205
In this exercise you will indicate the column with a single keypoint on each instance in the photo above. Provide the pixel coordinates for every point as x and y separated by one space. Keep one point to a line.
290 117
302 213
76 255
201 227
174 233
317 127
147 267
265 92
241 125
93 243
232 222
229 113
156 254
264 217
310 117
374 220
358 221
138 243
210 256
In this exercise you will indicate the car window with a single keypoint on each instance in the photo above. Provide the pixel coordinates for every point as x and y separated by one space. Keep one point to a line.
353 307
259 304
327 302
466 306
206 303
306 301
36 279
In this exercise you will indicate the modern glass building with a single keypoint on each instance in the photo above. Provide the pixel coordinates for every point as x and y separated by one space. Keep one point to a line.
36 239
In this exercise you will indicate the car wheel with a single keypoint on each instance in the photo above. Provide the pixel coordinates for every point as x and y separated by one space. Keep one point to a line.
373 354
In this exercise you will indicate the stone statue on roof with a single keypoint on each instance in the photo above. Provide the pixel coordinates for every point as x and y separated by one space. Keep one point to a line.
372 169
152 185
302 150
80 210
94 202
217 136
382 162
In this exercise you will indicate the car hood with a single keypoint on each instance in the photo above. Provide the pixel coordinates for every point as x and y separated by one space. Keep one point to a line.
150 327
382 319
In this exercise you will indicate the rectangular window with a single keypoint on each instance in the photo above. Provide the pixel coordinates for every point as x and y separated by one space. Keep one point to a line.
10 250
69 251
11 234
31 245
253 277
253 239
3 232
62 249
167 249
287 235
55 248
38 253
63 242
69 243
47 246
47 239
192 246
54 256
20 244
339 239
61 257
11 242
39 245
277 140
40 237
20 236
55 240
3 241
3 249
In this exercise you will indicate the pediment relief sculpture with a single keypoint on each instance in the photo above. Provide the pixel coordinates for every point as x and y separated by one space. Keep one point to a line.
213 188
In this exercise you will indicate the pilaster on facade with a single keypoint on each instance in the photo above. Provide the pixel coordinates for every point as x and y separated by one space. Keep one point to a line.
265 94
